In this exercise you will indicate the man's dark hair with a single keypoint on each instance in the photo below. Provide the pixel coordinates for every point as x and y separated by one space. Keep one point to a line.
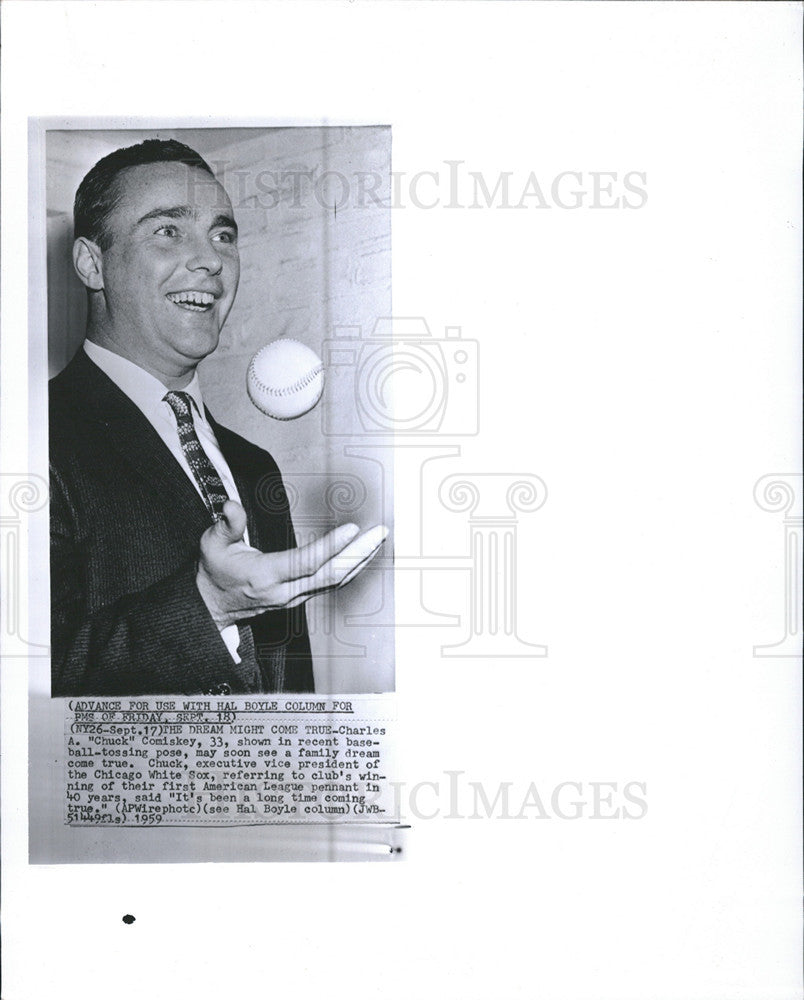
99 192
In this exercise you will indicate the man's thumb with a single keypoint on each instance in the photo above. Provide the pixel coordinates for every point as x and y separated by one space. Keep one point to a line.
232 524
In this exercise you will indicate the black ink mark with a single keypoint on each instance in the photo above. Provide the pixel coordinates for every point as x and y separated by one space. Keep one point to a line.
128 919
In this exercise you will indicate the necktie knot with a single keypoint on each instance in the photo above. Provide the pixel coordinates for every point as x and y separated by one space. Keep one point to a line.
180 403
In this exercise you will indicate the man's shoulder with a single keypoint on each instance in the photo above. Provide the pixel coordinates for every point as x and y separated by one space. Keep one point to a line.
79 379
64 395
86 410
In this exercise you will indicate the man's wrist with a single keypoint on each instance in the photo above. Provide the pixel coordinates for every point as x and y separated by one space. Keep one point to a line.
211 595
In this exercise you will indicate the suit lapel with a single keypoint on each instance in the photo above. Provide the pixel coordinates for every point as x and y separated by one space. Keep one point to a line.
131 434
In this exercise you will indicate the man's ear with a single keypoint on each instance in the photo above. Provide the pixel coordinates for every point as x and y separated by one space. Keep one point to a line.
88 263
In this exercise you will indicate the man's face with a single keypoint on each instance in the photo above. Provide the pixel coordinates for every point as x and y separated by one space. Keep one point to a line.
171 270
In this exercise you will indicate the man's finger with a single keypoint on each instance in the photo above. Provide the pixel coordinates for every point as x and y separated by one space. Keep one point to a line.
359 567
360 550
232 525
347 563
336 572
308 559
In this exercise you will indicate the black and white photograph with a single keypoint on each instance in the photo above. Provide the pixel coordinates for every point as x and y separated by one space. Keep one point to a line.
401 499
159 510
220 452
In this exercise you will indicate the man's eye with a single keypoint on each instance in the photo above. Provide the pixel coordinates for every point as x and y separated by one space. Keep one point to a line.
167 231
226 236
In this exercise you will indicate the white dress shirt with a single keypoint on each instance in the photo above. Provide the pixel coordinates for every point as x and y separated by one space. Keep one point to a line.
147 393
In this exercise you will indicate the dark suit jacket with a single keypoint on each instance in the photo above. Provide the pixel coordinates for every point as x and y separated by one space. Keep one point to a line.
125 524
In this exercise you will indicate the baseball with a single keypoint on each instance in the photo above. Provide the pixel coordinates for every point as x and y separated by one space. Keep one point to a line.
285 379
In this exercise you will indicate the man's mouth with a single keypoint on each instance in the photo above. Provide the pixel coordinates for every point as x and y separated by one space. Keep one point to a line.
193 301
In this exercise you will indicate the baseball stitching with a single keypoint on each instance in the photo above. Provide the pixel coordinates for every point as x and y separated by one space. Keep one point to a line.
287 390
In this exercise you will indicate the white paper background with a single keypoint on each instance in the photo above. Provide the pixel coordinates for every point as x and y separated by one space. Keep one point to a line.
644 364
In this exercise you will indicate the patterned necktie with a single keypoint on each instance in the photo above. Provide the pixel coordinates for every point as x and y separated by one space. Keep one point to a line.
212 490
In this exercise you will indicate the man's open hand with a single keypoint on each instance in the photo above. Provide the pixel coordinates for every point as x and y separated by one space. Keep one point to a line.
237 581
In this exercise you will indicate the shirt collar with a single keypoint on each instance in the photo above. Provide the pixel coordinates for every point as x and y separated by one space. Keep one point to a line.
142 388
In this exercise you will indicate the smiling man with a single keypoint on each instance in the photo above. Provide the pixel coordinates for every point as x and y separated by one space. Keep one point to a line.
168 575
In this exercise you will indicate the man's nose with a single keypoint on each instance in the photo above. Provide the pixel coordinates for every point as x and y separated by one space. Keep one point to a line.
204 257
